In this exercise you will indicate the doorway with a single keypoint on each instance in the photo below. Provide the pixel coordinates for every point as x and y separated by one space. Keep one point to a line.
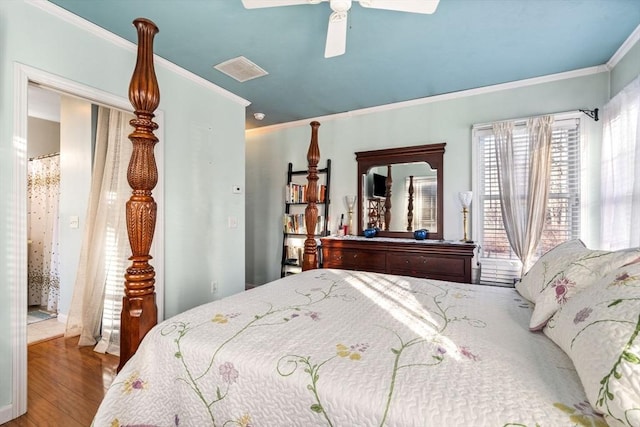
25 75
43 196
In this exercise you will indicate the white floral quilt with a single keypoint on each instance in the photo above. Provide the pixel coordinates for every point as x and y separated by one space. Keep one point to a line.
344 348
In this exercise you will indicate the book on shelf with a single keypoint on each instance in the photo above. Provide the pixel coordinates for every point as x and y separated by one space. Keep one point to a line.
293 255
297 193
294 224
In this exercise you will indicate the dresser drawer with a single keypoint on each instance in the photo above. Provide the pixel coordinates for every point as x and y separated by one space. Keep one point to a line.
430 266
355 260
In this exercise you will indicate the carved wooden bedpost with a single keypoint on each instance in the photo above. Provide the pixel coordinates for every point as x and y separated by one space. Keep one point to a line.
387 199
310 257
410 206
139 311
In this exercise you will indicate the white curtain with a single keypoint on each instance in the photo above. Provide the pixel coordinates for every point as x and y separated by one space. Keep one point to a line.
43 189
524 171
97 297
620 197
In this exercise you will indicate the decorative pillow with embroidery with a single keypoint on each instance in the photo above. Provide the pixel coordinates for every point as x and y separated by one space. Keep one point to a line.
599 329
548 266
579 274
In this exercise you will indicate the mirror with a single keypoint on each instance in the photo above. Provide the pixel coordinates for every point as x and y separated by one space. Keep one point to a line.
400 190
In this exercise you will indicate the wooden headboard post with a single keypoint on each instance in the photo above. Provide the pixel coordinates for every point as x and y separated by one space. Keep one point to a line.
139 311
310 257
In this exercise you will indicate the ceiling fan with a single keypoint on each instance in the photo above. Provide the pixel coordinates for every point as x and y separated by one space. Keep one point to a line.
337 31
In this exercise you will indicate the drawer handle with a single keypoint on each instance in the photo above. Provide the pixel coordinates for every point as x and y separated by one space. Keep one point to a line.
408 261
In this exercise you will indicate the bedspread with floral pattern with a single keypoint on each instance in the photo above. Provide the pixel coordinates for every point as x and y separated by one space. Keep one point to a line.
344 348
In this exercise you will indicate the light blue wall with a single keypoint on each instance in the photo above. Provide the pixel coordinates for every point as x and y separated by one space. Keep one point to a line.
76 155
450 121
626 70
204 153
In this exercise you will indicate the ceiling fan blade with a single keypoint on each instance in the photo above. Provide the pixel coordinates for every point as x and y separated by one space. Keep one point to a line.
336 35
257 4
413 6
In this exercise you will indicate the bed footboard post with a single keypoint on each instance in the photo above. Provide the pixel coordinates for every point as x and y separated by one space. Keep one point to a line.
310 257
139 311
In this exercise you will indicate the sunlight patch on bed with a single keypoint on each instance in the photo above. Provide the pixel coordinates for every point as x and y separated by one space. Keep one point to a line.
396 299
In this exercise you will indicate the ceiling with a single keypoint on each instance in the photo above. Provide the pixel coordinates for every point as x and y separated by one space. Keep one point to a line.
390 56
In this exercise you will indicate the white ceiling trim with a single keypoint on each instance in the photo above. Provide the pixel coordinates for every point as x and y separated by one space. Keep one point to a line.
624 48
437 98
73 19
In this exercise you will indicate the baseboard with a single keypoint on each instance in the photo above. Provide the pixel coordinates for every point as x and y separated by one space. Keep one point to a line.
6 414
62 318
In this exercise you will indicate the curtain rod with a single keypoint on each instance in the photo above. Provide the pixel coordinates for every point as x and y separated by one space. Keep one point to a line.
591 113
44 156
564 115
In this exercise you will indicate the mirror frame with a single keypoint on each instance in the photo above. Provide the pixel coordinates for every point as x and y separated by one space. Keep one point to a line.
430 153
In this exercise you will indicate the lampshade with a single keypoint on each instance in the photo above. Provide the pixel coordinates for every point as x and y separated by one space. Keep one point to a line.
351 200
465 198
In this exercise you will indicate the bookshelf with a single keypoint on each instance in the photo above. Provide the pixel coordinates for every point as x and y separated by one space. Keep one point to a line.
293 224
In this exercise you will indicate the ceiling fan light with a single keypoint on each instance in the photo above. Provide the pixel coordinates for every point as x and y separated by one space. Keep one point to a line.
340 5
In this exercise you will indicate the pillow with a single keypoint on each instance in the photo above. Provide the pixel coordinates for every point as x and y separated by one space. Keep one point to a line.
599 329
548 266
577 275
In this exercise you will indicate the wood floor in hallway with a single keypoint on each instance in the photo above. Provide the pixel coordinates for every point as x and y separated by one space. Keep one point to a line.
66 384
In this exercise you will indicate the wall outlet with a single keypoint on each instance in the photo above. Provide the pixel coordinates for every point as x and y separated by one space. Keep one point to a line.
214 287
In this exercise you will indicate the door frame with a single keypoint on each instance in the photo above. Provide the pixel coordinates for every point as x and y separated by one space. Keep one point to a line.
23 76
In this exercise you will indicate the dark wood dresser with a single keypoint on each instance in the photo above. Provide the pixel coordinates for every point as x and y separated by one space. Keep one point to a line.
430 259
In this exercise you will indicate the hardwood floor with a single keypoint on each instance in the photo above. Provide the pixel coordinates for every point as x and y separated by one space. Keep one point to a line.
66 384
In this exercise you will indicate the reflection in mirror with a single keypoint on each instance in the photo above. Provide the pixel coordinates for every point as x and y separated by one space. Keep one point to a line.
412 201
400 190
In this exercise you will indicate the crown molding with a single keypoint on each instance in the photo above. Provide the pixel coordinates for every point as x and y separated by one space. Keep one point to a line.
437 98
98 31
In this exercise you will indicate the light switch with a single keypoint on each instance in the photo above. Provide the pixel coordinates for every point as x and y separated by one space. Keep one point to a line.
236 189
233 222
74 221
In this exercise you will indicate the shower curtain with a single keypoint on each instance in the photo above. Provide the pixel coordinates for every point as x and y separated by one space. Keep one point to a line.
43 187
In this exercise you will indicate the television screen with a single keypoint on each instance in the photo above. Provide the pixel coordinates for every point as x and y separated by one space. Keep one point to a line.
379 185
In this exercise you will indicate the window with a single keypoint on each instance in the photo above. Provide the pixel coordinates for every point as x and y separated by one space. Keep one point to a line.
499 264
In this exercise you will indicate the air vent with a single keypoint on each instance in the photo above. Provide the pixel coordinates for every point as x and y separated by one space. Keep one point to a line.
241 69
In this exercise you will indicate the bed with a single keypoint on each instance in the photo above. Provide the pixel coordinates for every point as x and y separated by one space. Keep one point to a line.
331 347
345 348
